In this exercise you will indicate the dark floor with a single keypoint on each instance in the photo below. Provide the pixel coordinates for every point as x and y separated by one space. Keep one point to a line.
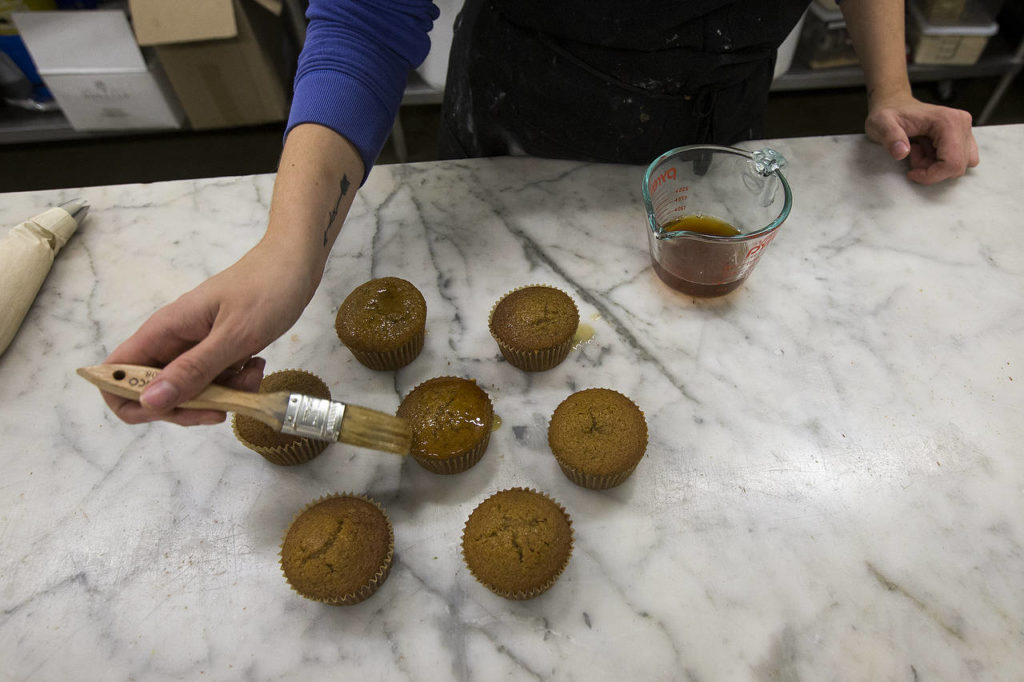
169 156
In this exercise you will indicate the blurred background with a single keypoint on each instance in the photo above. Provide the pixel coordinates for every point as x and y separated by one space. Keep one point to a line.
98 93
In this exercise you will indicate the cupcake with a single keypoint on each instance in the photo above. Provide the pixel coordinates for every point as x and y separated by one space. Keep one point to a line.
451 420
277 447
383 322
598 437
534 326
338 550
517 542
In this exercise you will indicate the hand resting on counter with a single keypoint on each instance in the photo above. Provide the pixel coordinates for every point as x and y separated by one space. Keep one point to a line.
937 141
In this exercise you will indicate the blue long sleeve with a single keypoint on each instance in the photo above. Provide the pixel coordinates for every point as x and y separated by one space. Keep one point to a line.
353 67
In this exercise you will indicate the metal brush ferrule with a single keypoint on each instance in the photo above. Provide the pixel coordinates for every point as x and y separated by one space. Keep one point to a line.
311 417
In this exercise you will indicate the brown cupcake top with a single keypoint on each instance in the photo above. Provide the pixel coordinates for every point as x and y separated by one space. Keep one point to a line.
517 541
448 416
292 380
381 315
598 431
534 318
336 546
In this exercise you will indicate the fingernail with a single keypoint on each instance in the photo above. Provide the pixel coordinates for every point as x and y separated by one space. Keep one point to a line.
159 396
211 419
900 149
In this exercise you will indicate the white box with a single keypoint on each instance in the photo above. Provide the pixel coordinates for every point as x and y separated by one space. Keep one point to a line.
787 50
91 63
434 69
112 101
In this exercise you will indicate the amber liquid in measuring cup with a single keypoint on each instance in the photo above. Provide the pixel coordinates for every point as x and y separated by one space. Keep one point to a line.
705 224
680 257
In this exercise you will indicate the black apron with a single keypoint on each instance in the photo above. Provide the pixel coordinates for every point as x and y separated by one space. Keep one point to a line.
600 80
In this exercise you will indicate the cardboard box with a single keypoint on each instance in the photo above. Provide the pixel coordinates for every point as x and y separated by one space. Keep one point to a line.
222 57
90 62
940 43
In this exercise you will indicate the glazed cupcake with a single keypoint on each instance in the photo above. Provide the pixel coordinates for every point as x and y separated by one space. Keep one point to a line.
338 550
451 420
383 322
598 437
517 542
534 326
277 447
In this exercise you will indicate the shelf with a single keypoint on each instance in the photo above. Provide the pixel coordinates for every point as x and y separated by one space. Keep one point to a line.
1001 57
18 126
803 78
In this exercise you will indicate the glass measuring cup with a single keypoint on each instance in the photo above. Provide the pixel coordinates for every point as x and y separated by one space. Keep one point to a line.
713 211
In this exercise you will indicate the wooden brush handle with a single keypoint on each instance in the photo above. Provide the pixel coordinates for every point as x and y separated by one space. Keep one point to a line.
129 381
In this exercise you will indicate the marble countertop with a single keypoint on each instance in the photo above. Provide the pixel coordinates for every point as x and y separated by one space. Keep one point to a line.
833 489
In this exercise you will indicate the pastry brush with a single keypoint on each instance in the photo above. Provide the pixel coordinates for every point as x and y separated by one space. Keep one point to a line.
293 414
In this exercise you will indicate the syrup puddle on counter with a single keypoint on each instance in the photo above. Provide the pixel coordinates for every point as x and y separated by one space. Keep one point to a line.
584 333
495 423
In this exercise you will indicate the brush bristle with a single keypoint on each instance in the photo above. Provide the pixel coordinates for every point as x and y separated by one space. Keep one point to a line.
377 430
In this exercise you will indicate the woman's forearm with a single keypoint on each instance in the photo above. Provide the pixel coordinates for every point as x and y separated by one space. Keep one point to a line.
316 182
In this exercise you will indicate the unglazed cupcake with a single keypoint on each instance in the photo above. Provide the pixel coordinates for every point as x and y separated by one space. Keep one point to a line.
338 550
277 447
451 420
517 542
598 437
383 322
534 326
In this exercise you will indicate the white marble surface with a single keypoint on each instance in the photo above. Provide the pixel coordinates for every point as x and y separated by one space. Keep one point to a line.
834 488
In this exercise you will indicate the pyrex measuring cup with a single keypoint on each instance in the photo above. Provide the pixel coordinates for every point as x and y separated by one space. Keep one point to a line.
712 212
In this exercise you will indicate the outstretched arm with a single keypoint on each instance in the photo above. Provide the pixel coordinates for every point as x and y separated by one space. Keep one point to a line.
938 140
351 76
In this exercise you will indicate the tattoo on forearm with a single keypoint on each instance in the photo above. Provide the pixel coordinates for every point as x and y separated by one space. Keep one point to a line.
343 190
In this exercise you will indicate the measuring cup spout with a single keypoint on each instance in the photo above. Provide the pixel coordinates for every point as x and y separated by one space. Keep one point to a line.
767 161
761 178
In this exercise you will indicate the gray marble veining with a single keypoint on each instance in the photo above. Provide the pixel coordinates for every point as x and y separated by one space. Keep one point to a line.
834 486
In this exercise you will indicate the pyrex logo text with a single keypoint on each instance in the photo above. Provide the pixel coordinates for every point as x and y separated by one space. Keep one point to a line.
670 174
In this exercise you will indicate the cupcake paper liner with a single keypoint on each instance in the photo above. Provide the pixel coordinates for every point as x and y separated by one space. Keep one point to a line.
458 463
521 595
594 481
598 481
364 591
391 360
535 360
538 360
295 452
